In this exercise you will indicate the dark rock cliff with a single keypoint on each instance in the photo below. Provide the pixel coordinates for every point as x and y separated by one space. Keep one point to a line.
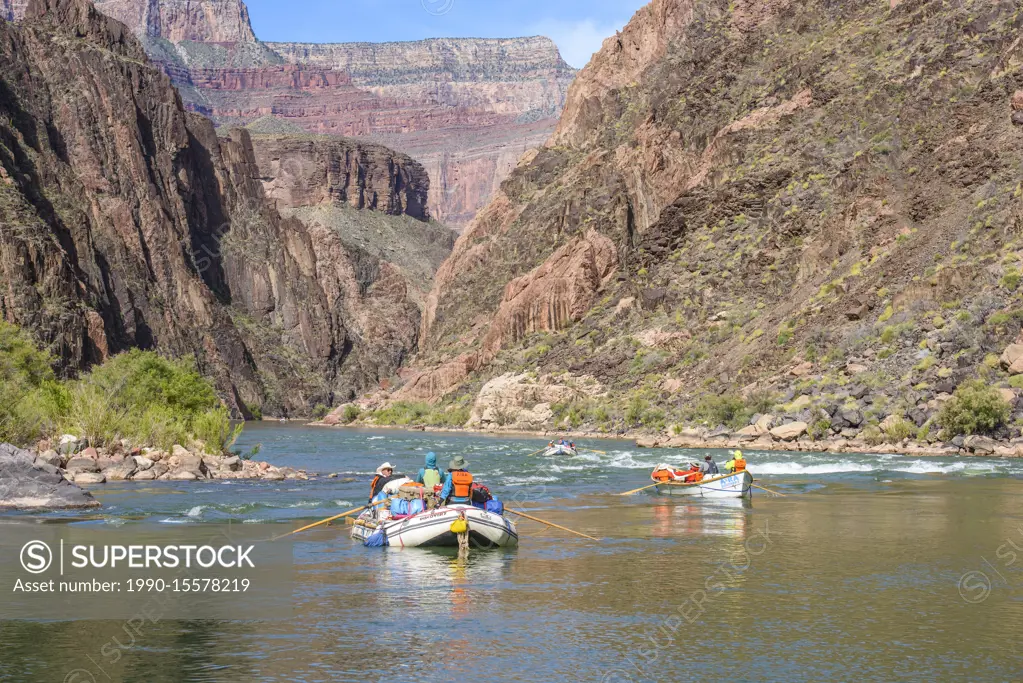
125 222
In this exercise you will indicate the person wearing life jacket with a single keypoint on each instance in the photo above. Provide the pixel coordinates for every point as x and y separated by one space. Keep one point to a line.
737 463
457 484
694 475
384 474
430 475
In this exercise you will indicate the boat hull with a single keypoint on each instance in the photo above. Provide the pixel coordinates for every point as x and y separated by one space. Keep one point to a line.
432 529
559 450
737 485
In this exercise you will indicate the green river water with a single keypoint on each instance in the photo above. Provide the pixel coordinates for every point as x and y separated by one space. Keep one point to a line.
871 568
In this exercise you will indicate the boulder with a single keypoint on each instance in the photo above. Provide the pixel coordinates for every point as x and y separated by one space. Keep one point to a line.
802 369
179 451
182 475
189 463
858 391
1012 359
144 475
273 475
1009 396
51 457
980 445
790 431
800 404
1017 118
121 471
142 463
1017 101
855 369
847 417
234 463
750 431
90 478
763 424
75 465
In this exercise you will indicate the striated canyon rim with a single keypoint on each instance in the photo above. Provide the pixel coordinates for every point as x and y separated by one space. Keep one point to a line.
466 108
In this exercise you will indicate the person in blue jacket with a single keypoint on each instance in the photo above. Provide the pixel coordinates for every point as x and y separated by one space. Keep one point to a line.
457 483
430 475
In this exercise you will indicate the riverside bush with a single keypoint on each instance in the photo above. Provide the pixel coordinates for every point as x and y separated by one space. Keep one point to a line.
138 395
975 408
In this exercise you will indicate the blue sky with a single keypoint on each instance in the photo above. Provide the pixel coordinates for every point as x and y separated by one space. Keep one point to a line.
577 26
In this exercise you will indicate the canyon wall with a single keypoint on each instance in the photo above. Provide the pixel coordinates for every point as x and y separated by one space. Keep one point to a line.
127 223
816 206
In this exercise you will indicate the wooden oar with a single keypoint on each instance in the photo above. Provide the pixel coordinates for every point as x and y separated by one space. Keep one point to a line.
768 490
331 519
539 451
594 450
649 486
544 521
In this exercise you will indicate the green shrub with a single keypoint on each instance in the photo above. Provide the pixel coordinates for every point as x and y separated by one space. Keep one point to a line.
820 428
728 409
899 429
214 429
975 408
351 413
872 435
1016 381
320 411
635 409
138 395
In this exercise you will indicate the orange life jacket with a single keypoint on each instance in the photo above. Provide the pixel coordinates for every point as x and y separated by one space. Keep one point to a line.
740 464
694 475
663 475
461 482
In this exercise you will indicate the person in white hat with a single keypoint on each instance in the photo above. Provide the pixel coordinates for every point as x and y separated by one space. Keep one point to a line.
384 474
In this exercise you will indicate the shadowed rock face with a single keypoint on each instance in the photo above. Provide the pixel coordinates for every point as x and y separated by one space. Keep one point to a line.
26 484
128 223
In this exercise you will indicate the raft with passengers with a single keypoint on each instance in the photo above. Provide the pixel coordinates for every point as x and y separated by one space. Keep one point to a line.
562 447
447 510
705 479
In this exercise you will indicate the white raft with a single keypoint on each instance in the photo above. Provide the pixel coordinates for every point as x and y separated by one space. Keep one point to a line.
432 529
560 449
736 485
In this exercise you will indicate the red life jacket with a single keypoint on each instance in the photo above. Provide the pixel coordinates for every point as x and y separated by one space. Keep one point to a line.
461 484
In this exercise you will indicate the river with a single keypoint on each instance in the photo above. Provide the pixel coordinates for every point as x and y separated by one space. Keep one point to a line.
870 568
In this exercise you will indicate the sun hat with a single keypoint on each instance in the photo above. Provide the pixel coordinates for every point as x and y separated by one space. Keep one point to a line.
457 463
385 466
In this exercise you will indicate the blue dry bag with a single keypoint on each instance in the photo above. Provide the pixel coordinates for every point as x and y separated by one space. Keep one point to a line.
495 506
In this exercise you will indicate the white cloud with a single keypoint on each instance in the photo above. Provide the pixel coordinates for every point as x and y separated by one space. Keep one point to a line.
577 40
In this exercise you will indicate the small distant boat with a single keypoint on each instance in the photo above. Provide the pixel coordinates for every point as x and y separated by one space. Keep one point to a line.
735 485
560 449
432 529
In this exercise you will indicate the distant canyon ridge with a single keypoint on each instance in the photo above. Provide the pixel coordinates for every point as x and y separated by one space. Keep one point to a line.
466 109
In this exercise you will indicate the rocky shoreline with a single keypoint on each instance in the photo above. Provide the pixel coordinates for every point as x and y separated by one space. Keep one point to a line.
52 477
722 438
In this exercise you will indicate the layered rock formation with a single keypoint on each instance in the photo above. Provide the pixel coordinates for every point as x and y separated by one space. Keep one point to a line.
466 108
128 223
205 21
809 210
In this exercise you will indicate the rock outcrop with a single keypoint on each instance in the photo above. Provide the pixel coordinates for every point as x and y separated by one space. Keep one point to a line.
129 223
27 483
